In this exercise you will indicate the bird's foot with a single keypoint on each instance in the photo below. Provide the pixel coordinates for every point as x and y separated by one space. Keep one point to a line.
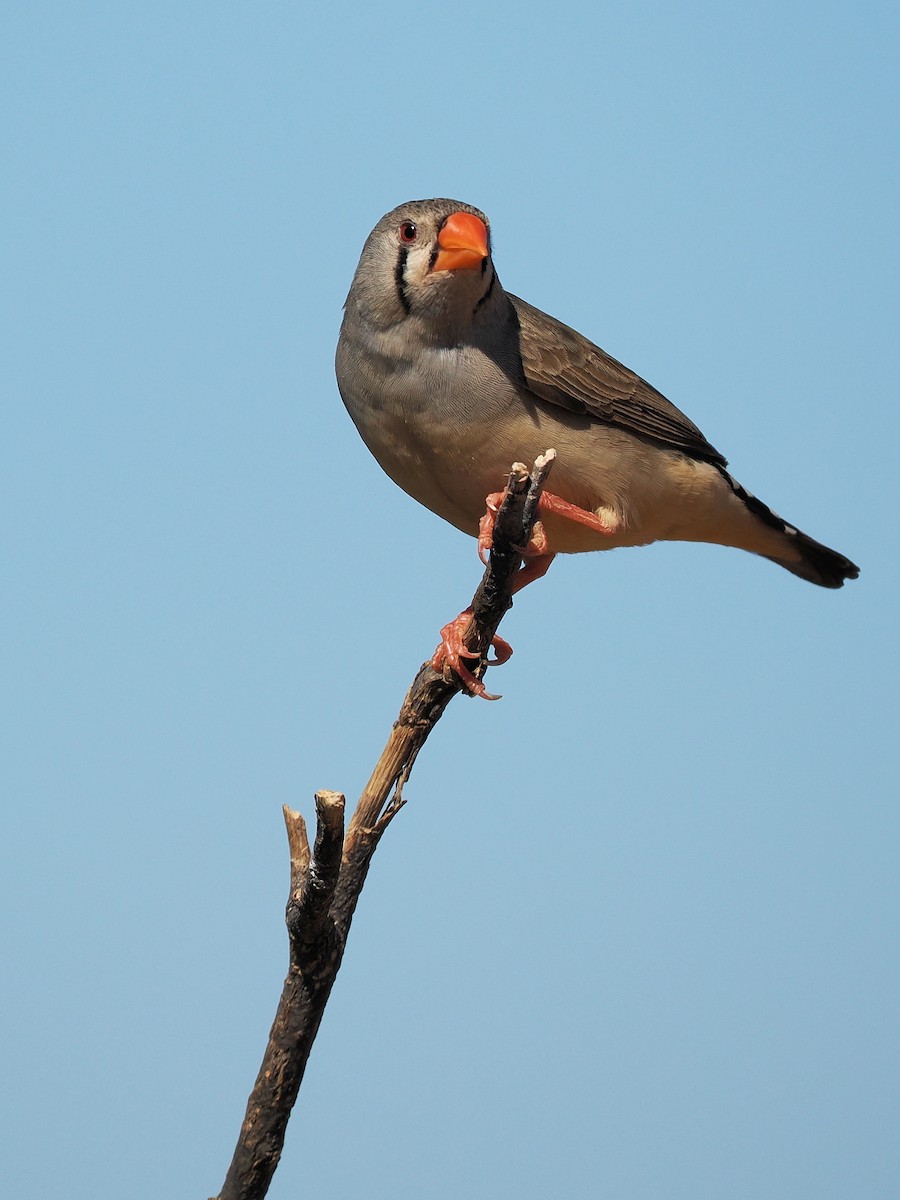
486 525
538 544
537 565
452 650
538 549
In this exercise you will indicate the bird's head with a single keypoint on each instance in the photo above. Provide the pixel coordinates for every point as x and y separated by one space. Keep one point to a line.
429 260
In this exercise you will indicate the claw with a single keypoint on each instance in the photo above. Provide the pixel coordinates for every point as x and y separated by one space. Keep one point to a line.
538 549
531 570
538 543
461 650
451 652
538 555
504 651
486 525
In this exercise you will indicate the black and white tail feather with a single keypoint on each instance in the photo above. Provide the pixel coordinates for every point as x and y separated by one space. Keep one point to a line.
817 563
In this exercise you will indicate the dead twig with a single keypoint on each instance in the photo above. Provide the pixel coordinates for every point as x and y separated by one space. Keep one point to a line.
326 883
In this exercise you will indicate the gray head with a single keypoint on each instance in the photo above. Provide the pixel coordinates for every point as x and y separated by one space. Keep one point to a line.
429 260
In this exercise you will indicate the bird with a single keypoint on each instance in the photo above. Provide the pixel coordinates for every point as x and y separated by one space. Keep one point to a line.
449 379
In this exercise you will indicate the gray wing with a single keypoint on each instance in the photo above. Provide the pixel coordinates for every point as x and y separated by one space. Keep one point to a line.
561 367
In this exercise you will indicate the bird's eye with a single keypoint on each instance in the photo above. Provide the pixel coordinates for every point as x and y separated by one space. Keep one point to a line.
408 232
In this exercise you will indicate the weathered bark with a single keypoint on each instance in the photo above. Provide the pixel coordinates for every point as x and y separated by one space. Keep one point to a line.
326 884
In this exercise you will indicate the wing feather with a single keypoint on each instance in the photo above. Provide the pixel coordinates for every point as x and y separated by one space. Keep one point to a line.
561 367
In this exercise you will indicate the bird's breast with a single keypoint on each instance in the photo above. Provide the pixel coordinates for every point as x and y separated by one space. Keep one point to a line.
415 414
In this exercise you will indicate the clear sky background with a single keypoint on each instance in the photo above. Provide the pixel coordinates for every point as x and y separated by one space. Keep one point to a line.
635 934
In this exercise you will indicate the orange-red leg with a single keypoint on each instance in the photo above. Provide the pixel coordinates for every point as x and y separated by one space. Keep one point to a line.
452 650
571 512
539 545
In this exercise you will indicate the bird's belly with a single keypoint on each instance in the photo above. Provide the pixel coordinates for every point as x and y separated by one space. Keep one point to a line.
430 469
450 449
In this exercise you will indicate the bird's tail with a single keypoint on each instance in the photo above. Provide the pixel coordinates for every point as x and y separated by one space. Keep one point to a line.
795 550
817 563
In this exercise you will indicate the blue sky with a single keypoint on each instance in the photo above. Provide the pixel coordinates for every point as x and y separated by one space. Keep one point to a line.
635 933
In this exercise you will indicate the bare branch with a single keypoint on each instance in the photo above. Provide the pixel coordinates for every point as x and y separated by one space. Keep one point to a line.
326 885
430 693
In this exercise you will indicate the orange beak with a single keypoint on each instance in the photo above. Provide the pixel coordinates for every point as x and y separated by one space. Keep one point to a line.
463 242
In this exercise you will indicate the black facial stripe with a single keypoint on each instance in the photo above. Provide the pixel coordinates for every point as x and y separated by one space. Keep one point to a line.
490 286
400 280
